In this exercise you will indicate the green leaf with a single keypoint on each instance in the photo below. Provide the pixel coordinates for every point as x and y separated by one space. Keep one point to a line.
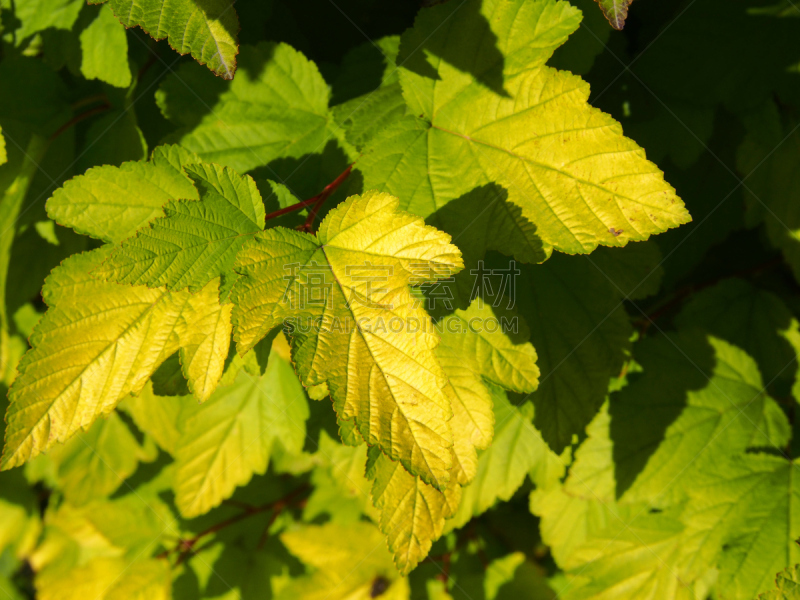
517 447
769 193
616 11
363 118
102 550
505 118
39 106
115 336
582 337
196 241
389 380
574 512
788 584
3 155
38 15
113 139
111 203
277 106
478 347
413 513
104 50
230 437
755 320
699 400
340 487
95 463
634 271
234 570
747 508
643 559
10 205
206 29
157 416
20 520
348 561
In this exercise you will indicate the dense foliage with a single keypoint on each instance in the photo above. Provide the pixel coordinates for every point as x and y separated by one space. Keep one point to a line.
364 299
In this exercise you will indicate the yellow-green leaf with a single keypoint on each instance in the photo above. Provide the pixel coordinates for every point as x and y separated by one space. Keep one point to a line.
516 449
195 241
347 560
98 343
93 464
375 346
492 112
102 550
104 50
412 512
475 348
111 203
207 29
787 583
229 438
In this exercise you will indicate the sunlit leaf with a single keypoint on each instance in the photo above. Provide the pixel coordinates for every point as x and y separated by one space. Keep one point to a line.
388 379
113 337
206 29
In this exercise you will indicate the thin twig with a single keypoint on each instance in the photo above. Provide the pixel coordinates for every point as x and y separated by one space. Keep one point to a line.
316 201
78 118
187 546
683 293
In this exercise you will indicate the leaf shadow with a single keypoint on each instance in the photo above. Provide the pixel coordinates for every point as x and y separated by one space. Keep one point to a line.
641 413
361 72
479 222
477 55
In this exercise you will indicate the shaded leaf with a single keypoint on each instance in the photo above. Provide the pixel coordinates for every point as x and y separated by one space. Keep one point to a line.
104 50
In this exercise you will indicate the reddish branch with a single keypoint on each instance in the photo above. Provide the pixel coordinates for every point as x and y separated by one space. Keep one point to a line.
316 202
186 547
689 290
81 117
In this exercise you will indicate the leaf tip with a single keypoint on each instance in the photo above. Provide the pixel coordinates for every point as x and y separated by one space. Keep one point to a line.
615 11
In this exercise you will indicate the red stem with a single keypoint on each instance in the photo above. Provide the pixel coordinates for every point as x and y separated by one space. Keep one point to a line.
78 118
185 547
689 290
316 201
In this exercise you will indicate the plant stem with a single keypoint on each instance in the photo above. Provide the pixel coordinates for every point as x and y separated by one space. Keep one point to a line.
185 547
316 201
78 118
689 290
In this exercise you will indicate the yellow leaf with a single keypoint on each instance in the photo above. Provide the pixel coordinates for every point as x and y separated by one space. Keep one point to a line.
350 561
355 325
99 342
412 512
474 349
